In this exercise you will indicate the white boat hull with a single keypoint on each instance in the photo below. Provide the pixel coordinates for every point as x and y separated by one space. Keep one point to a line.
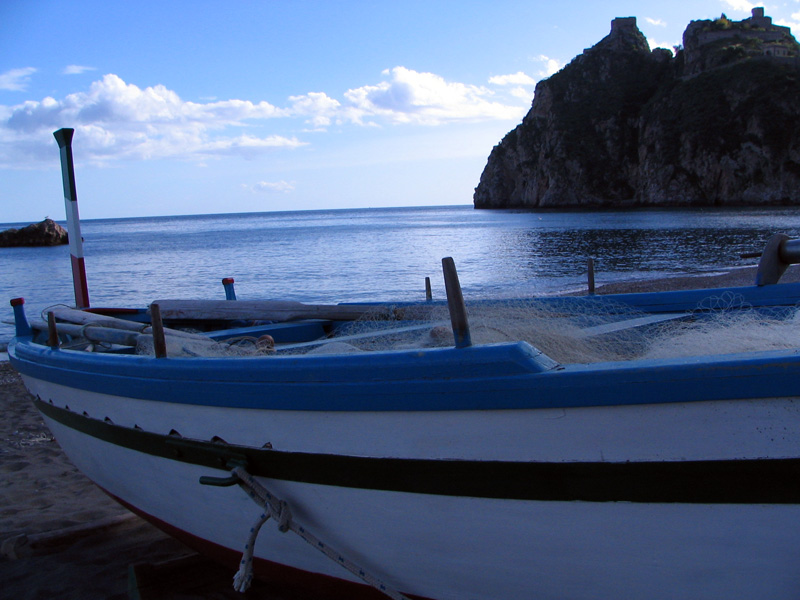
456 547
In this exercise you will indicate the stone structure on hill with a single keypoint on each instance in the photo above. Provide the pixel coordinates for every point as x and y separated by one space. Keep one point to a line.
716 124
45 233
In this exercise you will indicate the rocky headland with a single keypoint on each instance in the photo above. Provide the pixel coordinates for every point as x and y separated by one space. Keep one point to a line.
717 123
44 233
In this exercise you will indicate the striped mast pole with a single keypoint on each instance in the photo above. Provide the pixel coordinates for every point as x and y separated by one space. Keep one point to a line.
64 139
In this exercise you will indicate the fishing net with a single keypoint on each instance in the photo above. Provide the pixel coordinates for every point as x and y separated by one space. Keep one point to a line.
593 330
555 328
727 332
568 331
178 347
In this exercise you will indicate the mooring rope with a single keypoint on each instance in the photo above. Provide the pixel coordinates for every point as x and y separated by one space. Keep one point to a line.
279 510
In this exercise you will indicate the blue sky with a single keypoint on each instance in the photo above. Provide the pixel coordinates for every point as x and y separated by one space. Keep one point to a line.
212 107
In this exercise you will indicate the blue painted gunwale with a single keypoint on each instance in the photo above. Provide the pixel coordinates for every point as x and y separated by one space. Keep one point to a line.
490 377
495 377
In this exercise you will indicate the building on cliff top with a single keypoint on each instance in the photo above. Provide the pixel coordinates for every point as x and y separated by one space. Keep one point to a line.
753 36
709 44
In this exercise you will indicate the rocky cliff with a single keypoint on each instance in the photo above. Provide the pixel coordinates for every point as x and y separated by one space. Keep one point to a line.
621 125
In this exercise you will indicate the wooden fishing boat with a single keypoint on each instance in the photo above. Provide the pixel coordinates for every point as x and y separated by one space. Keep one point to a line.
472 470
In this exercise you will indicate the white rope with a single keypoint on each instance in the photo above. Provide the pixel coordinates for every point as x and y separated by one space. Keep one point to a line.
244 576
279 510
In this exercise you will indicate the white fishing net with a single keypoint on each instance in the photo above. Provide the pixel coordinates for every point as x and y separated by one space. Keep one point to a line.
178 347
727 333
592 330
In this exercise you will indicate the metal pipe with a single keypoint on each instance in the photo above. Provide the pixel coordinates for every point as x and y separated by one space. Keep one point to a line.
790 252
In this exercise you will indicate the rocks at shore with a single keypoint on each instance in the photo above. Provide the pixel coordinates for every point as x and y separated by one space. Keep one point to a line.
716 124
45 233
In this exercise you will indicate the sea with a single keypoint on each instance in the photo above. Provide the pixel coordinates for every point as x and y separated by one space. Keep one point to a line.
382 254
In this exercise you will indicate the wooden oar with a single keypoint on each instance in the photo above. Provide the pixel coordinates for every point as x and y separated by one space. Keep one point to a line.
94 333
270 310
81 317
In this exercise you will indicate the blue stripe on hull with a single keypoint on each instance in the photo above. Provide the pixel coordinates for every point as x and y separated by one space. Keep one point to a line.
508 376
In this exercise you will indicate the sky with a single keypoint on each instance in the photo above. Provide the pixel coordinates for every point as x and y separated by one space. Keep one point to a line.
209 107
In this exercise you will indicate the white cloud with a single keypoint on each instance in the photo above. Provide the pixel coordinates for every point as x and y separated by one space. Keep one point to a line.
423 98
318 107
551 65
120 120
16 80
76 69
518 78
794 24
656 22
283 187
742 5
668 45
521 92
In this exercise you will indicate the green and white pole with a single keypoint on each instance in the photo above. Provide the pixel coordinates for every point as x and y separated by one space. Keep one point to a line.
64 139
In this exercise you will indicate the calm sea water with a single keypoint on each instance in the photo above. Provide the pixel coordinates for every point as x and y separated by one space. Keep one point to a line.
381 254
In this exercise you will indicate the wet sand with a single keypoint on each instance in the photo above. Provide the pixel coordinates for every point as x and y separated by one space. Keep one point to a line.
63 538
737 277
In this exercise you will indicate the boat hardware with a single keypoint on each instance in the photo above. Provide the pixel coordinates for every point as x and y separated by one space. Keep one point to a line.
779 253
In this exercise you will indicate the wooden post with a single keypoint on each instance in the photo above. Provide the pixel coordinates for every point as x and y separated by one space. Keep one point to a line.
455 303
591 275
428 292
52 331
159 341
64 139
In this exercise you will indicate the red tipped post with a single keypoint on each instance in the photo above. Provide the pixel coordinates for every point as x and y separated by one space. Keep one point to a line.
230 291
23 328
64 139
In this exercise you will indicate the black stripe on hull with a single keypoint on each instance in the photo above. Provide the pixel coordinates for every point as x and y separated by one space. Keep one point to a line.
756 481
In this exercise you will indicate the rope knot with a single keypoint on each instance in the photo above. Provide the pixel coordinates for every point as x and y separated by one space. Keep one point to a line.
283 516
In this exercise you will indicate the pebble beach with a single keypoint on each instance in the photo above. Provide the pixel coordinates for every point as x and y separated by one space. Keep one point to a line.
62 537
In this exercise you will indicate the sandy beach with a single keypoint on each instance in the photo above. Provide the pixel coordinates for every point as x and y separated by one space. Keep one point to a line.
63 538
